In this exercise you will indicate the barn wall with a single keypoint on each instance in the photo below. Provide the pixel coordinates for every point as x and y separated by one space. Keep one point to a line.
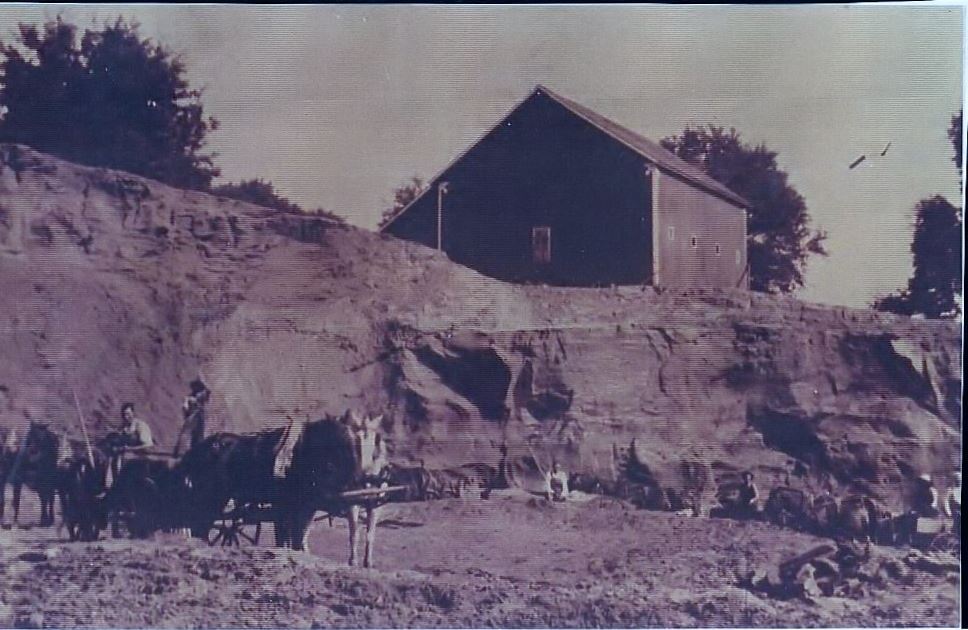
543 166
691 212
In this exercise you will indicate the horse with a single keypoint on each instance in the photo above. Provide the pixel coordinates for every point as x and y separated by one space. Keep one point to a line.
81 490
329 457
149 495
9 447
36 464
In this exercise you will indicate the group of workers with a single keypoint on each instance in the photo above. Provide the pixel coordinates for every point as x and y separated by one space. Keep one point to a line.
925 501
134 436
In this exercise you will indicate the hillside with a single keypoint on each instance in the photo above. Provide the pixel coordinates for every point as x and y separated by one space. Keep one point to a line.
120 288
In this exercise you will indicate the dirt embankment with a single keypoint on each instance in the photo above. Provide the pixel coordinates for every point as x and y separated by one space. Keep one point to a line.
121 288
452 564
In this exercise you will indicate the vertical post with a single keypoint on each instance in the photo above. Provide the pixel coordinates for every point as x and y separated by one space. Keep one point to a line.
653 174
441 191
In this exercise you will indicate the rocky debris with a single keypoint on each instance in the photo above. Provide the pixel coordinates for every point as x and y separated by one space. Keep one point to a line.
846 570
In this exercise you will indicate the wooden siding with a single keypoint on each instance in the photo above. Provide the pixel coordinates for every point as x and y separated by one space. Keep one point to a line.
543 166
692 213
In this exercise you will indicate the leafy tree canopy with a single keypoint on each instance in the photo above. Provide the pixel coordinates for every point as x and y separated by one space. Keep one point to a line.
935 287
779 238
402 197
107 98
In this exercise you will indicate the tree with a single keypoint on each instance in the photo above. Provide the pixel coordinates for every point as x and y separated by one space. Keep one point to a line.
779 238
263 193
403 197
935 287
954 134
108 99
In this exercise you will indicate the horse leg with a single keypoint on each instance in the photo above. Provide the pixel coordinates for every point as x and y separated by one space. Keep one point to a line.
353 519
371 520
304 531
46 508
17 489
281 525
298 531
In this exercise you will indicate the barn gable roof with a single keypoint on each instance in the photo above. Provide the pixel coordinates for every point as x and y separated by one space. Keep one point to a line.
649 150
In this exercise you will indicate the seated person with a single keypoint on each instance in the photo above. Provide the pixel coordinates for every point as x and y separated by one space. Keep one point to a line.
134 436
556 483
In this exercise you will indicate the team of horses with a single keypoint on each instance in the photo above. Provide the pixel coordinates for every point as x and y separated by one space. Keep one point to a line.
331 456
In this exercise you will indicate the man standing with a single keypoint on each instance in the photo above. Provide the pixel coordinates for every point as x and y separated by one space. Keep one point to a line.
925 497
193 410
748 495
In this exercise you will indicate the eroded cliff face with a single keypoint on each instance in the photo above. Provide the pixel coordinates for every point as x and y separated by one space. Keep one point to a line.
120 288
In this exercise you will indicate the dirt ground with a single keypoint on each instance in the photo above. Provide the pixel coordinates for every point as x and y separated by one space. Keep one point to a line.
511 561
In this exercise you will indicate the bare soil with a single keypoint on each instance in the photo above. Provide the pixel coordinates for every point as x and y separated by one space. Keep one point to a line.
511 561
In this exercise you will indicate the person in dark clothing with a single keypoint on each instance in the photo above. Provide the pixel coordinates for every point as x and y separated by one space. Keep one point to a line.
925 497
748 495
193 410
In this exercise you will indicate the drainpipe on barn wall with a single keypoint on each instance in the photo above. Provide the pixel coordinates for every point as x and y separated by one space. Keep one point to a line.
441 191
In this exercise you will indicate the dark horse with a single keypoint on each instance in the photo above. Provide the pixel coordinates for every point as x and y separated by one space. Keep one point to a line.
147 495
329 457
37 465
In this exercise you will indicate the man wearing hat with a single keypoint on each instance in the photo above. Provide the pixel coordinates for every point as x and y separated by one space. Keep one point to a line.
193 410
925 497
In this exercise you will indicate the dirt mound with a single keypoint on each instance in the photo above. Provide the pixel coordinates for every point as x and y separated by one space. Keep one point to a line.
453 565
120 288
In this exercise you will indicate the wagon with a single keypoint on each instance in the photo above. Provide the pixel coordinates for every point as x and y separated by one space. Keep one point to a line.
242 524
935 534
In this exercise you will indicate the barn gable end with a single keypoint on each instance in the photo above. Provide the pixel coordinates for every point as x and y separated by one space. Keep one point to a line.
556 193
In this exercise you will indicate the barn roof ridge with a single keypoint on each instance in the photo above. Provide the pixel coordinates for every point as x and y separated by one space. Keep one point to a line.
648 149
655 153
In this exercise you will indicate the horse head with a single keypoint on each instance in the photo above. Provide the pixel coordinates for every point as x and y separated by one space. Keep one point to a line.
369 448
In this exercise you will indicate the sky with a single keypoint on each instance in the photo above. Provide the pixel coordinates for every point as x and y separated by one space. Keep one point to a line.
338 105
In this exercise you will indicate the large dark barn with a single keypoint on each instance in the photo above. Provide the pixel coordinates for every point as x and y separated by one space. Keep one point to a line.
556 193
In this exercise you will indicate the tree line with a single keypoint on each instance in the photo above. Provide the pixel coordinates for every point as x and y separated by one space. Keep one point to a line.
110 98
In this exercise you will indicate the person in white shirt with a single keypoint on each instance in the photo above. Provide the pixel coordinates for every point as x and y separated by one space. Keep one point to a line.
556 483
134 436
952 503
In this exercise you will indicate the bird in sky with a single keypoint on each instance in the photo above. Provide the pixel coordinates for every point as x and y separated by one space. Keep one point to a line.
857 162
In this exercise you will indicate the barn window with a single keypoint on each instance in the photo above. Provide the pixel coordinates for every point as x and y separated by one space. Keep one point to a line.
541 244
719 250
672 232
694 242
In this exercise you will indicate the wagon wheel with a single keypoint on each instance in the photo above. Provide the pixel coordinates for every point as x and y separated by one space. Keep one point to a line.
233 532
